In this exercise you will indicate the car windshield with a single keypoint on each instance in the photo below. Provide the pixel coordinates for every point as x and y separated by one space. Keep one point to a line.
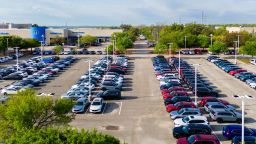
191 139
79 103
181 111
96 103
185 119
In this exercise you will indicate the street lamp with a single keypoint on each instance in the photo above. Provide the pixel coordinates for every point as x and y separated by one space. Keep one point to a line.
243 98
211 35
90 90
17 57
7 44
179 64
78 40
114 45
185 42
42 47
107 56
196 65
169 48
236 43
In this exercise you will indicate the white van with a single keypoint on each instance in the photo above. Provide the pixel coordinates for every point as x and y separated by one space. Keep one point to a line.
253 61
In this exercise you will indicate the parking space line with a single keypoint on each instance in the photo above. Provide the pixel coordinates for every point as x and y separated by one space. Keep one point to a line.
120 108
104 108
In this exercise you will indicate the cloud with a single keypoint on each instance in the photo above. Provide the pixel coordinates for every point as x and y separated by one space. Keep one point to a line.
115 12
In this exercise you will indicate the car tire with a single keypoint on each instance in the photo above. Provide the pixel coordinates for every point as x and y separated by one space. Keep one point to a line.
219 120
239 120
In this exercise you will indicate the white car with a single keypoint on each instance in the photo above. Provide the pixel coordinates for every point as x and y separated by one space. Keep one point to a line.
162 76
3 99
45 94
189 120
11 90
253 61
96 105
253 85
217 105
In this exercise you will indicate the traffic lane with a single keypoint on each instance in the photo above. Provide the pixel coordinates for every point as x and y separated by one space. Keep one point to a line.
65 79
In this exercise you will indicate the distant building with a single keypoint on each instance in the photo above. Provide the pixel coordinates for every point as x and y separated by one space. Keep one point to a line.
27 31
239 29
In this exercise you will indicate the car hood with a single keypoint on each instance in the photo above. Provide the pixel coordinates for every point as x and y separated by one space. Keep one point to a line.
178 130
179 121
78 107
94 107
182 141
173 113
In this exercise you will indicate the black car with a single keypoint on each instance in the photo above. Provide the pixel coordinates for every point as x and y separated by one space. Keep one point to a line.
117 70
190 129
168 85
13 77
177 99
109 94
204 91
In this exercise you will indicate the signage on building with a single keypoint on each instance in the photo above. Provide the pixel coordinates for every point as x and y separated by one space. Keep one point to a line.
55 33
4 33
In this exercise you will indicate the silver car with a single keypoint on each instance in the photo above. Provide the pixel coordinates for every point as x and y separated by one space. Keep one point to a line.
222 115
185 112
81 105
217 105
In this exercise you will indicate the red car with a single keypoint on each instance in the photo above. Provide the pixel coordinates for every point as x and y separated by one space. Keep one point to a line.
171 89
198 139
204 100
175 93
179 105
116 66
233 72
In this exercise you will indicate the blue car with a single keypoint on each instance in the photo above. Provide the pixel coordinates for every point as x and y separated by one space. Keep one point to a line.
247 140
230 131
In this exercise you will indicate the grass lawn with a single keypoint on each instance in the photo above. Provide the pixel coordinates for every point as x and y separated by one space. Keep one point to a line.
245 60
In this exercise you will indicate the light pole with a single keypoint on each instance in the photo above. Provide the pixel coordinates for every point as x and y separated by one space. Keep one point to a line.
179 64
107 56
195 66
114 46
243 98
78 41
17 57
90 89
185 42
7 44
169 48
211 35
236 43
42 47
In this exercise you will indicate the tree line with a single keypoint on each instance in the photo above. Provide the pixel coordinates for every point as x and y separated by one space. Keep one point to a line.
197 36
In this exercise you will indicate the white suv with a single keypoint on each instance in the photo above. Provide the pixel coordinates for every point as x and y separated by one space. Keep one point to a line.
190 120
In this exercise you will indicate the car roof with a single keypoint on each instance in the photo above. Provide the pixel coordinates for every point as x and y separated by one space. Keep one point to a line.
97 99
197 117
205 137
81 99
220 110
191 109
214 103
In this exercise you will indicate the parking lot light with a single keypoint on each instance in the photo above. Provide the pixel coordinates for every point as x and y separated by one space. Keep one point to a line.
211 35
114 46
169 48
17 57
185 42
236 43
179 65
242 99
42 48
90 90
196 65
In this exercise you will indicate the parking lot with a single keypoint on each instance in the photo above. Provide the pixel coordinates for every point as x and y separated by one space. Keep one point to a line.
140 116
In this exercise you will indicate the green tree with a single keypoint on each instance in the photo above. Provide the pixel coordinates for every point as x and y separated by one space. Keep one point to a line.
218 47
26 111
109 48
29 43
88 39
203 41
249 48
57 40
57 49
147 32
61 136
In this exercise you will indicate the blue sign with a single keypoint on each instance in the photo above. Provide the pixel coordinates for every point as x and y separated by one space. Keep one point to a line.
55 33
4 33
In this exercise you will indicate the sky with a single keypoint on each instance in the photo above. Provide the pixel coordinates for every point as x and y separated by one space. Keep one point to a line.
134 12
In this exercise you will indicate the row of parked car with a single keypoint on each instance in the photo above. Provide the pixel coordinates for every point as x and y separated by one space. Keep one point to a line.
106 75
232 69
190 126
34 72
10 57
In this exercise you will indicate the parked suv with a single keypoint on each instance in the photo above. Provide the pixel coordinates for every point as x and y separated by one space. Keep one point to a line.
222 115
190 129
185 112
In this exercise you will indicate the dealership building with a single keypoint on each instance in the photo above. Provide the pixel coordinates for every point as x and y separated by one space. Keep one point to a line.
45 34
